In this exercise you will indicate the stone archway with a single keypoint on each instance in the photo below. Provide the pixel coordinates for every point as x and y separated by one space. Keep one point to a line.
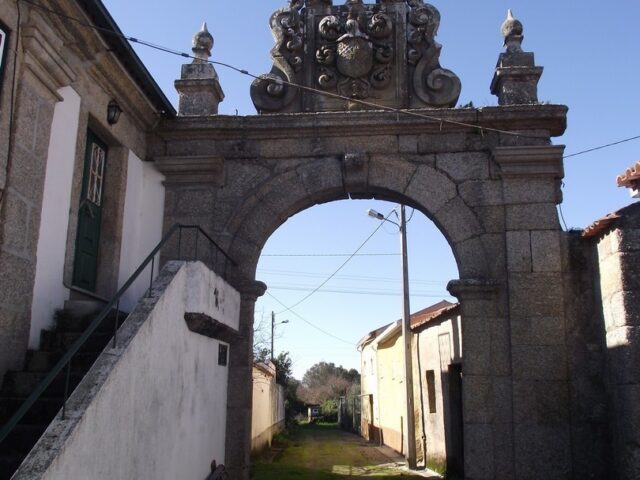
240 178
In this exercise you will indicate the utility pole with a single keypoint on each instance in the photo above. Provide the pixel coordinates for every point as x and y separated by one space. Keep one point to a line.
406 337
410 453
273 324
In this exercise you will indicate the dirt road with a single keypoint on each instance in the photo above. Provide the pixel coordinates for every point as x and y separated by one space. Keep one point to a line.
323 452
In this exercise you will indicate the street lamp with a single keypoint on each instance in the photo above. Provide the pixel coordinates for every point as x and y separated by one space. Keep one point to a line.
406 332
273 324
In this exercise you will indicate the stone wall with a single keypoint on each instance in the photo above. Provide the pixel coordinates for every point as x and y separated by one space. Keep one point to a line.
23 173
591 444
618 251
55 58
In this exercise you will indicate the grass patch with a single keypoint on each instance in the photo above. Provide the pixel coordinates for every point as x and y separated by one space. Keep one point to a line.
320 451
437 465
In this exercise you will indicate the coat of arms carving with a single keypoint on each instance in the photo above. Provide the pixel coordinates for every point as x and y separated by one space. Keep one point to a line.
355 56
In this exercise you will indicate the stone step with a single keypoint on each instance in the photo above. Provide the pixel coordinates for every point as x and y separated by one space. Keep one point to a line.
40 361
22 439
9 463
67 322
82 308
53 341
18 384
42 412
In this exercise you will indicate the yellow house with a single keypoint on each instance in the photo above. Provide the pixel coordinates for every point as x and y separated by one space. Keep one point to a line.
383 399
436 361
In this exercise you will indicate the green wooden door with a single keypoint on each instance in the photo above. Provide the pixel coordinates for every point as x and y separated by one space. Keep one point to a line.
85 266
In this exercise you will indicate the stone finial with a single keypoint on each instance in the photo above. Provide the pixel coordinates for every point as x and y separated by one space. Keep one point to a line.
199 88
512 30
202 44
516 79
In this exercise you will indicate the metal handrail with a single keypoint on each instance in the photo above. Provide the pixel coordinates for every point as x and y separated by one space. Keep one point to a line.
65 361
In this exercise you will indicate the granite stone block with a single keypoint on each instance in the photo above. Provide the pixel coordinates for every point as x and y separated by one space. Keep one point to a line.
464 166
431 188
541 216
543 362
519 251
542 452
390 175
545 251
540 402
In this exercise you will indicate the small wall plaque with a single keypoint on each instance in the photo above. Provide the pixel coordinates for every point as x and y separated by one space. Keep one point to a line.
223 351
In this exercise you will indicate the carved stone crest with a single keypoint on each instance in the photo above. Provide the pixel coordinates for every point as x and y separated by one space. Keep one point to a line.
351 52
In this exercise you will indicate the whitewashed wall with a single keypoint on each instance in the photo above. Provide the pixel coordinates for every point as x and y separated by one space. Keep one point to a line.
155 408
268 413
49 293
142 225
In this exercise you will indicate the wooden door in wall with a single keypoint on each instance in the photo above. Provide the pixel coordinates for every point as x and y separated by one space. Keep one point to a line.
455 453
85 268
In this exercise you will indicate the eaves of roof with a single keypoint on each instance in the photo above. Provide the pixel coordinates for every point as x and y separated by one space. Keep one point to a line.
631 177
433 313
123 51
600 226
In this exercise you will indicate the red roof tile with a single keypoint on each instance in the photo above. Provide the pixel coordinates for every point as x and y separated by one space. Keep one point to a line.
600 226
432 313
630 178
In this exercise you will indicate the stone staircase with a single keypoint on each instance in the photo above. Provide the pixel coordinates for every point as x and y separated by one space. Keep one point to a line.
18 385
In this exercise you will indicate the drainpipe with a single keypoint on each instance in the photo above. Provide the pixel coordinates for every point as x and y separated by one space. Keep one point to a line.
424 429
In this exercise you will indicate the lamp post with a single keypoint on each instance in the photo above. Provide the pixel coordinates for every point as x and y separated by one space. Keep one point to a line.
406 332
273 324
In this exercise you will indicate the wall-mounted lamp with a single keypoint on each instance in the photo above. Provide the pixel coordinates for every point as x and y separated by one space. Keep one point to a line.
113 112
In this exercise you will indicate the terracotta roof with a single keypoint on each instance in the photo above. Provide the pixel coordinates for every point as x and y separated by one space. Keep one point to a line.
369 337
432 313
600 226
417 319
630 178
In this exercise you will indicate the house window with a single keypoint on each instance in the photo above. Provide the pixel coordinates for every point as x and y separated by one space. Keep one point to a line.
431 390
4 35
96 174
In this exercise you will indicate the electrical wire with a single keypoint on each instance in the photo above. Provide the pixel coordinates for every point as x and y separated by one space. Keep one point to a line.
242 71
338 269
289 309
564 222
329 255
613 144
282 81
290 273
356 292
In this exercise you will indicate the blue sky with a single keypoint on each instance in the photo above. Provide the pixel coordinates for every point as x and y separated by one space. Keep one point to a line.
590 52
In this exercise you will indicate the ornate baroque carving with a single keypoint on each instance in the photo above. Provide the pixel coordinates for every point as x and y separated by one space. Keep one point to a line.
271 92
432 84
350 50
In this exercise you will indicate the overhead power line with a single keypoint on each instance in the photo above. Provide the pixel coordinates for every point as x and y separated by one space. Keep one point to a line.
337 270
347 291
359 278
329 255
311 89
603 146
309 323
